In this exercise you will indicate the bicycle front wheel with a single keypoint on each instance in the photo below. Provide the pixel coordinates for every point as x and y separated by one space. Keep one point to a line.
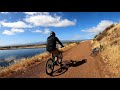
49 67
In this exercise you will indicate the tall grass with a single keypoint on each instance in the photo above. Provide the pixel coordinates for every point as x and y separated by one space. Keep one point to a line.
22 64
111 56
111 50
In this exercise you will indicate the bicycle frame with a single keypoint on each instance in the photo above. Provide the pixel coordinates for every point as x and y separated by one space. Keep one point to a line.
53 58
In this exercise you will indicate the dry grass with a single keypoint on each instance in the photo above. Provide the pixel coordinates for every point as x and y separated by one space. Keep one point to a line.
95 44
68 47
22 64
111 50
111 56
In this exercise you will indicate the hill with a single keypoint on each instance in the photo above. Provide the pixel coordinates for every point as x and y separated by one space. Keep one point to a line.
109 39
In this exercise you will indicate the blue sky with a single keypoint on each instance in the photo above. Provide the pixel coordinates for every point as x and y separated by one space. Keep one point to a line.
30 27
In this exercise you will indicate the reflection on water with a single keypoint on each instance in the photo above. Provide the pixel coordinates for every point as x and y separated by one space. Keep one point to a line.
8 55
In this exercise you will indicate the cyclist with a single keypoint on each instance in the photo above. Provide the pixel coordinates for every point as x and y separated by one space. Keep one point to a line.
51 46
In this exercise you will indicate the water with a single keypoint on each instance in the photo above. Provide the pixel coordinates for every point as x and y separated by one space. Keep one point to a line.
8 55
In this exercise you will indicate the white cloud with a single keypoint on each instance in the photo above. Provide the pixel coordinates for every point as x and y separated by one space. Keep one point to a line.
99 28
45 31
12 31
38 31
7 32
49 21
18 24
17 30
36 13
4 12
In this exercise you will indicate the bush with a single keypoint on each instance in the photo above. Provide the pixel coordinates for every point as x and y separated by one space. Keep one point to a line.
95 36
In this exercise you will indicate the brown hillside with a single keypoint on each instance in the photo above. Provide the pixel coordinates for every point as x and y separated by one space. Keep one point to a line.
110 53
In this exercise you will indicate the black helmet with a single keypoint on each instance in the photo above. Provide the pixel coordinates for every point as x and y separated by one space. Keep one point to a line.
52 33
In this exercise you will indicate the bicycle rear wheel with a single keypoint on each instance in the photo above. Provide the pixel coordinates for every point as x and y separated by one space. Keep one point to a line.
49 67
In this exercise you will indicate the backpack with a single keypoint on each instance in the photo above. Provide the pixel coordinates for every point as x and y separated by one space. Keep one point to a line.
51 44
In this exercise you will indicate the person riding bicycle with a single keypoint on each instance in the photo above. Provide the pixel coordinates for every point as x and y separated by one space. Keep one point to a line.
51 45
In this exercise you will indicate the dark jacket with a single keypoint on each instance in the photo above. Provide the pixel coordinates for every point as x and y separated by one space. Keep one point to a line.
51 43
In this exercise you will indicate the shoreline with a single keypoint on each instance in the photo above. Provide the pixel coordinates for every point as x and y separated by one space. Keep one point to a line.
22 47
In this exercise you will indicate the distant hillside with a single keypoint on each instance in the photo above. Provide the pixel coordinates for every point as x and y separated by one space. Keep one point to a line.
38 43
110 53
63 41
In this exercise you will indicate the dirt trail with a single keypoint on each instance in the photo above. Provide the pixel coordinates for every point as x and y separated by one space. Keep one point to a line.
84 65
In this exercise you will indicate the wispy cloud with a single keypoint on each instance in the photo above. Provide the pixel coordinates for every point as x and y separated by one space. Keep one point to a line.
37 31
45 31
99 28
36 13
76 37
47 20
4 12
18 24
12 31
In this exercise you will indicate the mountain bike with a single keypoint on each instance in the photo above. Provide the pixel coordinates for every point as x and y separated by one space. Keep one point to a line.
51 63
95 52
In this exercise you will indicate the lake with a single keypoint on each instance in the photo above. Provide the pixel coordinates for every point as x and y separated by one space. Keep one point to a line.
8 55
